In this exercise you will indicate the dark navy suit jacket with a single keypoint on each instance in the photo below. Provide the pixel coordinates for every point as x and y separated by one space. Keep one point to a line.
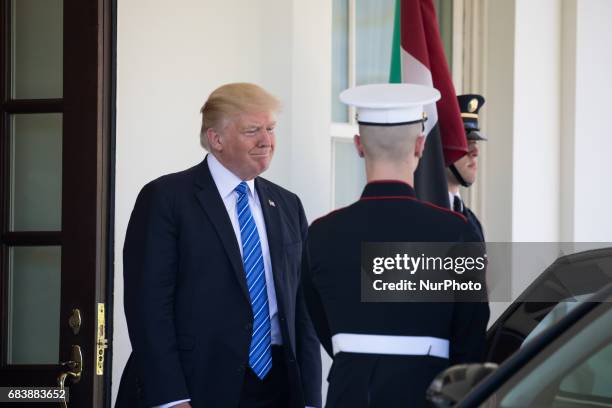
186 301
473 220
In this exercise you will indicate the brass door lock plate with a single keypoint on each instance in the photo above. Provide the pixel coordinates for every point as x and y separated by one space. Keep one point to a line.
101 340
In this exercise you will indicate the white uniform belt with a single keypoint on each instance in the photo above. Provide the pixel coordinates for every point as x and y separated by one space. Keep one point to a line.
395 345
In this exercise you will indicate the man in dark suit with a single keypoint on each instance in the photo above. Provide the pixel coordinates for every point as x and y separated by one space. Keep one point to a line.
213 301
463 171
385 354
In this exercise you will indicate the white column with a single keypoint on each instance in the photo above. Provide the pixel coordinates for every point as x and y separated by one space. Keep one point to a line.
592 195
536 115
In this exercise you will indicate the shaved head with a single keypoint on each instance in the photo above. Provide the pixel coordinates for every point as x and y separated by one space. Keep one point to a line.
389 143
390 152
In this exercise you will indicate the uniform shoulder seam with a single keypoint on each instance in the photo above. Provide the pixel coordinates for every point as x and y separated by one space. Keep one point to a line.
427 203
444 209
329 214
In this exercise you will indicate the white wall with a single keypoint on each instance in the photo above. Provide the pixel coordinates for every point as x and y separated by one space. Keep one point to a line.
170 58
311 102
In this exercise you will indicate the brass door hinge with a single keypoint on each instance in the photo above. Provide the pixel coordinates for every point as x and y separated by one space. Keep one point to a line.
101 340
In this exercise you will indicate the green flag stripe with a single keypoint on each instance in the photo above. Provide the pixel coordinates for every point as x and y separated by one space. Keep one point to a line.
395 73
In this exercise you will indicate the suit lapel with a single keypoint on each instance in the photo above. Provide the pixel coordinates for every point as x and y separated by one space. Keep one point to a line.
211 202
271 214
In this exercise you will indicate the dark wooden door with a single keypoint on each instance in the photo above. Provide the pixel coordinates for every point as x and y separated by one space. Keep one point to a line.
54 165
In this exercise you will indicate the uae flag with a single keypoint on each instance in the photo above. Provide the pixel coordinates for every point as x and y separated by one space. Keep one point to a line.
418 57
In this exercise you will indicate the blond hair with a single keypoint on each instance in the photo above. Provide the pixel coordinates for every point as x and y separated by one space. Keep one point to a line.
229 100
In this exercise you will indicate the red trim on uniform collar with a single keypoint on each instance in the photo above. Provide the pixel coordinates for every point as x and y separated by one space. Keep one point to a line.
388 188
427 203
448 210
385 181
389 198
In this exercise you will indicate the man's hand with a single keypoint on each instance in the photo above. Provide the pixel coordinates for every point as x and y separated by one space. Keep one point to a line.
182 405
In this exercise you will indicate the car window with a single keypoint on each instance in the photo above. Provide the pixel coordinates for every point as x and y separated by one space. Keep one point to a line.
593 378
574 371
567 279
557 313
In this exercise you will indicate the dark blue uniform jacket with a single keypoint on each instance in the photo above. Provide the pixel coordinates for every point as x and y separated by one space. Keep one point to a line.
388 211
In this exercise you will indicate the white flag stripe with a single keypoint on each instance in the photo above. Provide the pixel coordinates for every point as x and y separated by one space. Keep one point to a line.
414 72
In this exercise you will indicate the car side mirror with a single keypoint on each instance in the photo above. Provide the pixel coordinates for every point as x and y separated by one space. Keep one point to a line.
453 384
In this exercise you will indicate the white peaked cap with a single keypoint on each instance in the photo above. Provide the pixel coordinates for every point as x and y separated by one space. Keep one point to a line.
390 104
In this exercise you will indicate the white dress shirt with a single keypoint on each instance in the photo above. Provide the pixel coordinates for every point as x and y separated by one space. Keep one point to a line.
226 182
451 198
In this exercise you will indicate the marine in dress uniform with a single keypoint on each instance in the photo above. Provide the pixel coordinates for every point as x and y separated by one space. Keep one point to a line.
463 171
386 354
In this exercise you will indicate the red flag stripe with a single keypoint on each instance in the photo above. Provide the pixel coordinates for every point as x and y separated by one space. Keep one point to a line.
420 37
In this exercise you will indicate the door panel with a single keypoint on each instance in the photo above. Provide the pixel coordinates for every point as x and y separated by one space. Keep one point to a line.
34 305
36 172
37 49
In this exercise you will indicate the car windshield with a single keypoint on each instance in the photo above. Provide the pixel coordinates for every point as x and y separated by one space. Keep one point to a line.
574 371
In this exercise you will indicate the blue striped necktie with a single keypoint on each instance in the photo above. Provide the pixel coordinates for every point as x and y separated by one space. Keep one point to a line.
260 355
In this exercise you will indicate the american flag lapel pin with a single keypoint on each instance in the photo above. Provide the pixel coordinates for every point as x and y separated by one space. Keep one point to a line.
271 203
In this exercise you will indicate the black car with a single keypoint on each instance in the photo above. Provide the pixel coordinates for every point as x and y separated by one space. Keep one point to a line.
554 344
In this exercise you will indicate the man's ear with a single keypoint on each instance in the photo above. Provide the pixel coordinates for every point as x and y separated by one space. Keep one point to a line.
419 146
358 145
214 140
